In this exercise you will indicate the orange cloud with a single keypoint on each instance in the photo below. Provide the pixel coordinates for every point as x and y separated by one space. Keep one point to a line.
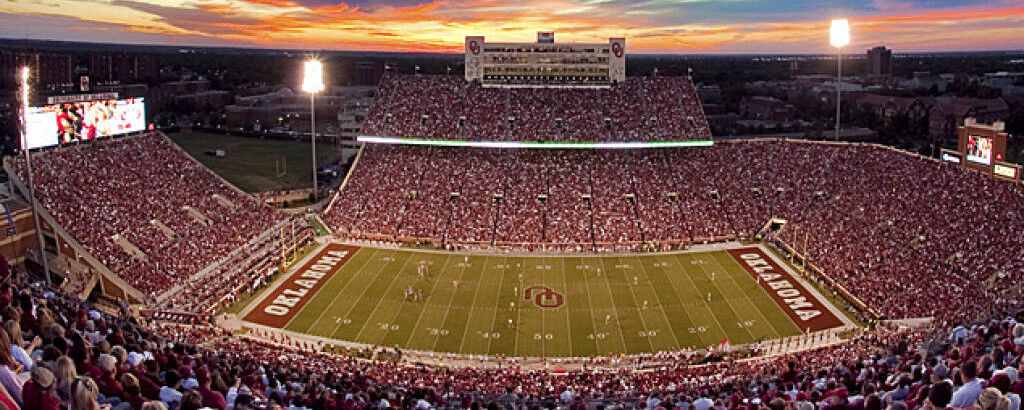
440 25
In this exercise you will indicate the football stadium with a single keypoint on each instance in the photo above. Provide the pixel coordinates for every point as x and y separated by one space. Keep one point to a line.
537 230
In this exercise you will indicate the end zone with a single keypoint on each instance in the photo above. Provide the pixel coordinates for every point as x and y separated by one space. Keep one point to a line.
291 295
800 304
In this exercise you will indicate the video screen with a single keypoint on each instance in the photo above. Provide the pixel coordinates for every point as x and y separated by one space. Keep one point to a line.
82 121
979 149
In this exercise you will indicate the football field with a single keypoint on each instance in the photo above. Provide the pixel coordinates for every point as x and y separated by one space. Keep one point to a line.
542 306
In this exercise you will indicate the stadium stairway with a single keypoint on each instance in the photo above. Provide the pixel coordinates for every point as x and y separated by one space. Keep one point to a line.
225 202
168 232
129 247
198 216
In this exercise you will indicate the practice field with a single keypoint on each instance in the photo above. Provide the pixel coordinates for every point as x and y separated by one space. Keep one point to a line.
558 306
253 164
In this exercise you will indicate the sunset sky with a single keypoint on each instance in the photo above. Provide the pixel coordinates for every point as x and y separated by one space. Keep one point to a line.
650 26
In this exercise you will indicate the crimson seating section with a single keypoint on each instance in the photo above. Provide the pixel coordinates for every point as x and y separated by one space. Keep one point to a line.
448 107
117 187
122 361
874 218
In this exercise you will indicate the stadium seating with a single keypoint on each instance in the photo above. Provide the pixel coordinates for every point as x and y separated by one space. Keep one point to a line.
92 358
873 218
909 236
446 107
119 187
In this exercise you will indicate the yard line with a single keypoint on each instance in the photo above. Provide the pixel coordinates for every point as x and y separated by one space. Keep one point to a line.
699 296
658 299
636 306
519 311
448 309
494 315
568 322
622 332
358 272
590 305
625 346
379 302
715 284
472 307
437 280
749 299
543 324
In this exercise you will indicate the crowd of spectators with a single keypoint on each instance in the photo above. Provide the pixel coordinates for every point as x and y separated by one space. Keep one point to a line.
873 218
448 107
248 269
106 193
57 353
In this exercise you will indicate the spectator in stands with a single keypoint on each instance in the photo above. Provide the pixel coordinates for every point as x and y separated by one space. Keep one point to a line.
972 386
85 394
20 354
9 369
211 398
66 375
38 391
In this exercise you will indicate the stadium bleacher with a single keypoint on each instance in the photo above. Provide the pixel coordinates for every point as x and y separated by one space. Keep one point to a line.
116 189
61 352
875 218
640 109
909 236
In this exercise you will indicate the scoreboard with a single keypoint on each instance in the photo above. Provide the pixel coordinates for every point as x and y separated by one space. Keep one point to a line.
982 147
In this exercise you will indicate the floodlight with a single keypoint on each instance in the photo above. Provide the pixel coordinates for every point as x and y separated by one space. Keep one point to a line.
839 33
313 80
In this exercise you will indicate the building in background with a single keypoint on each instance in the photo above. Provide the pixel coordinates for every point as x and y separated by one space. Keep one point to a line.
122 68
766 108
48 70
368 73
948 114
879 62
545 63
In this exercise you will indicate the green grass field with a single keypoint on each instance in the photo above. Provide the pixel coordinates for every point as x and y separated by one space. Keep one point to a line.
364 302
250 162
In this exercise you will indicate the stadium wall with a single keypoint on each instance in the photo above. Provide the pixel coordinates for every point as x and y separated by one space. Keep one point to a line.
344 182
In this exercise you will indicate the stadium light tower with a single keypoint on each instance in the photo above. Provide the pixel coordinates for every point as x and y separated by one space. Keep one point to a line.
28 167
312 83
839 36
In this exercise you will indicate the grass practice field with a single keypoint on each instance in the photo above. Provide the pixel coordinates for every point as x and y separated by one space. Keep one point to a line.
250 162
563 306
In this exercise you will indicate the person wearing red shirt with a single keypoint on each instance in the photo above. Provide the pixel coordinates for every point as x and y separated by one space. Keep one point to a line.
211 398
38 391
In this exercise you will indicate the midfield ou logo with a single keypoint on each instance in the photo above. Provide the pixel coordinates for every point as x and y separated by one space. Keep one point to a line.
544 297
617 49
474 47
